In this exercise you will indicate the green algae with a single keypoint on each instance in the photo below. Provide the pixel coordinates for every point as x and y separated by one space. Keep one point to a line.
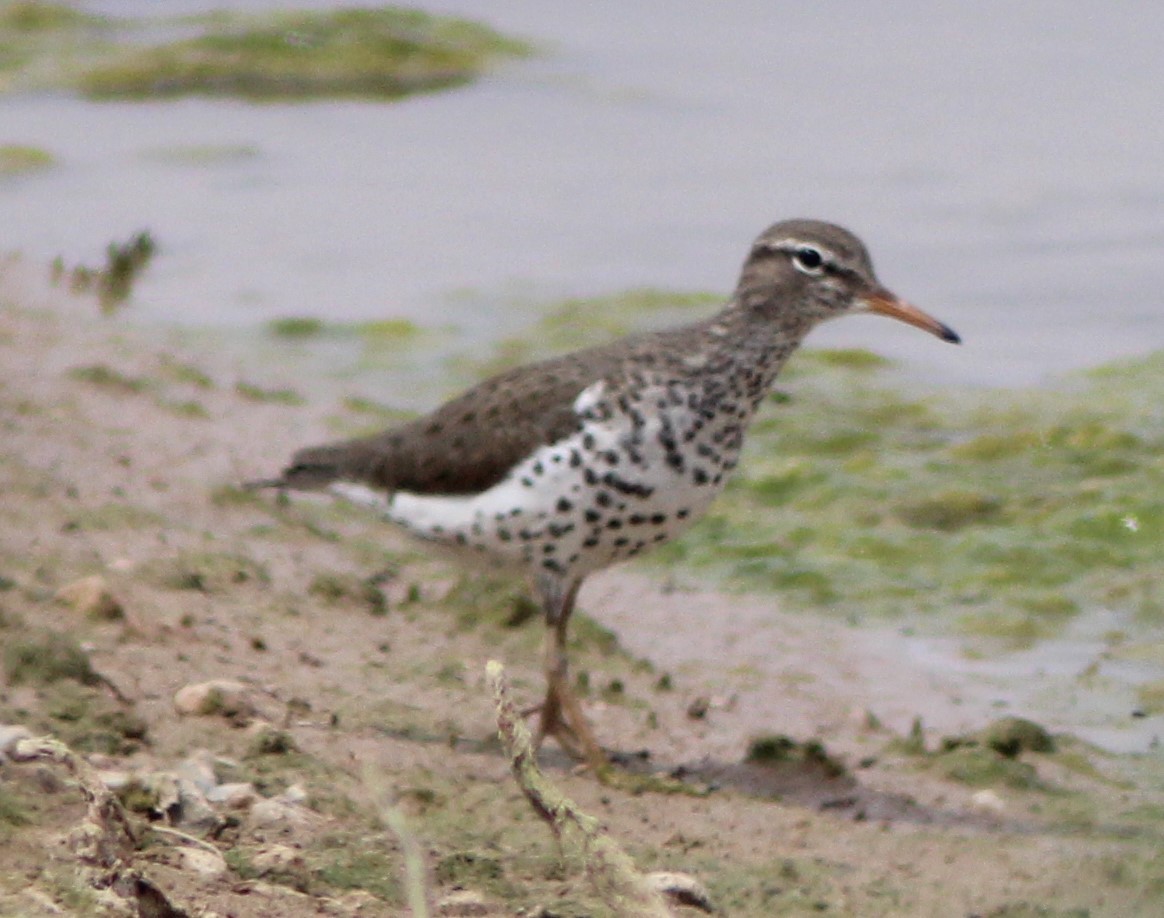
499 602
388 331
333 861
109 379
388 344
777 748
296 327
14 811
1008 736
31 17
271 741
89 721
375 331
949 511
378 412
359 863
19 159
853 358
45 657
364 52
1151 697
990 757
337 588
253 392
1007 512
185 408
204 572
468 868
576 323
113 281
41 42
117 382
113 516
782 885
184 373
382 53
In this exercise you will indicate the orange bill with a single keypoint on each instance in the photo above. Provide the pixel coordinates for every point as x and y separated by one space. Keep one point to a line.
885 303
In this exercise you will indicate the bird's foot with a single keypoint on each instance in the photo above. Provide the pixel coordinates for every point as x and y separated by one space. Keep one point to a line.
563 719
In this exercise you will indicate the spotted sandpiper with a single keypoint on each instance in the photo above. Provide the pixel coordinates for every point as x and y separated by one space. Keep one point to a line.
565 466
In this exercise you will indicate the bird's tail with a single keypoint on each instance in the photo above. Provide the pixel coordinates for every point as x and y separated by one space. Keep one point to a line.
311 469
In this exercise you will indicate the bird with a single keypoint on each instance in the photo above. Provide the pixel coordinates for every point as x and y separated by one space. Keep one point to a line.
565 466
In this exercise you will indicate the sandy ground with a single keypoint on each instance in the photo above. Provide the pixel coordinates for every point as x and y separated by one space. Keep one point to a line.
376 693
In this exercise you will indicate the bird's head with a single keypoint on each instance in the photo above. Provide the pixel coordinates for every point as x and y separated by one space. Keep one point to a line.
807 271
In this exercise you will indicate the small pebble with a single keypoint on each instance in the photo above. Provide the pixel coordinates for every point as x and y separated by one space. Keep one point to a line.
988 802
202 861
199 769
698 708
194 810
358 902
114 778
463 902
681 888
90 596
237 795
224 697
25 749
271 813
277 859
10 735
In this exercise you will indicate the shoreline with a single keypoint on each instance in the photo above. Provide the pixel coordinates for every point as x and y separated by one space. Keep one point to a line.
129 474
999 676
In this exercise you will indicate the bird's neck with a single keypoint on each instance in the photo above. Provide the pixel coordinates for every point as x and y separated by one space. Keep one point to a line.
753 336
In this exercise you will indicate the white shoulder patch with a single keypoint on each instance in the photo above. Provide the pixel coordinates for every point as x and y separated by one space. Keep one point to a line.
589 397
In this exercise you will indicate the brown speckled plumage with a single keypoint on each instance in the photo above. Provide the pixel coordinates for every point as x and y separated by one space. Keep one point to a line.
473 441
570 464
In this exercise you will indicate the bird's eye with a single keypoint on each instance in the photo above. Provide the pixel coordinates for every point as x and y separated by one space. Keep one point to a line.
808 260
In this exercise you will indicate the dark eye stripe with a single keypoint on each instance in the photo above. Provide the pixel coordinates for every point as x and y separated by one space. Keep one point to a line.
806 256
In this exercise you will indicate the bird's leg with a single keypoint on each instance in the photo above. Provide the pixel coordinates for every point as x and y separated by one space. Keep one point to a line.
562 716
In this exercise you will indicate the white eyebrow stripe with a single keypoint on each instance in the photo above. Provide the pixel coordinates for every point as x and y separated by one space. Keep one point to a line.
792 246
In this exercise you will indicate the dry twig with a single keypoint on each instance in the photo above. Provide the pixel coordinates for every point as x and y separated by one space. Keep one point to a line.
104 842
391 815
620 884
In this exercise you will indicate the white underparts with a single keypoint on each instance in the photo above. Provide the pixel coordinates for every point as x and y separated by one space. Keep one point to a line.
609 491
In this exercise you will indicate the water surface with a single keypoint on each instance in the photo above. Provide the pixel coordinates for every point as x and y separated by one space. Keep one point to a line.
1001 160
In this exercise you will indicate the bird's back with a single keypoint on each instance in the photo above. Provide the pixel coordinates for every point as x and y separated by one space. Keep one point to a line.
473 441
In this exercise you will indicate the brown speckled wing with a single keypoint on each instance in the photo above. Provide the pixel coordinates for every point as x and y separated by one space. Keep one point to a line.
470 443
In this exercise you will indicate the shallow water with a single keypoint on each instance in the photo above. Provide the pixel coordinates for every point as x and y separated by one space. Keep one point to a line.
1002 161
800 675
